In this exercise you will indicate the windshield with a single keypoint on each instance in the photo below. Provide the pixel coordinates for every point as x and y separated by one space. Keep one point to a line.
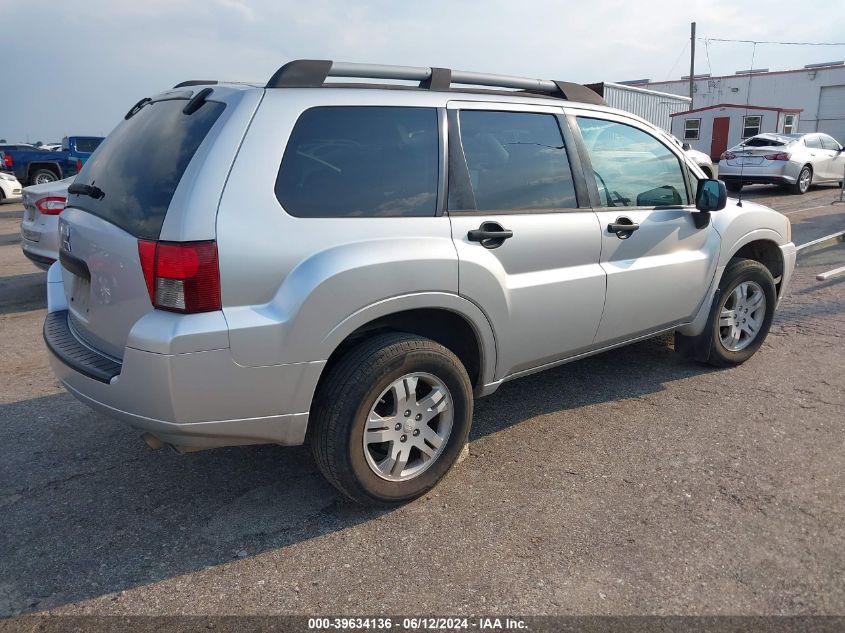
140 164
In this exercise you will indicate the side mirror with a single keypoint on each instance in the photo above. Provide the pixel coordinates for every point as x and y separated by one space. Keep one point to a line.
686 147
711 195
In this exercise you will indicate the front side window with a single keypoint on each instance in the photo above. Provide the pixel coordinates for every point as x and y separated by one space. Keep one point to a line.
631 167
788 123
751 125
516 161
361 161
691 129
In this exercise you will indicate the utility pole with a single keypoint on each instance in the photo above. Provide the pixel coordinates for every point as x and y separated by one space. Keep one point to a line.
691 64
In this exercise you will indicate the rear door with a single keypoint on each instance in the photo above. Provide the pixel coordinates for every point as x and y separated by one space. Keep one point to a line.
659 269
138 169
528 244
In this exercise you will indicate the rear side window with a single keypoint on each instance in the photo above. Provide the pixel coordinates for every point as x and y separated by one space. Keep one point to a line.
516 161
141 163
813 141
87 145
361 161
631 167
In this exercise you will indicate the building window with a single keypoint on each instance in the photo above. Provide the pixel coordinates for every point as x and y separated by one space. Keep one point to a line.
691 129
788 123
751 125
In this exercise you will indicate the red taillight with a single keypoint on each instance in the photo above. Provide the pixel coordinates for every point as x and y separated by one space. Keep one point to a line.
727 156
51 205
8 160
78 164
778 156
181 276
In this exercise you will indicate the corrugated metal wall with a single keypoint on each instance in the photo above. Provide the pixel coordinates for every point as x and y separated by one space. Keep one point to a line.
654 107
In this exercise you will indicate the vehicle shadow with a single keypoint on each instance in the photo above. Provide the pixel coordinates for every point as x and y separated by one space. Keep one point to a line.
22 293
88 510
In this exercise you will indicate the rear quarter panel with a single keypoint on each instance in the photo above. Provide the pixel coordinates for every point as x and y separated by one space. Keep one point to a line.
293 286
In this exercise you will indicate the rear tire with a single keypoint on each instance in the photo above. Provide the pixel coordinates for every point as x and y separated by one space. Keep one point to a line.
42 177
805 179
733 187
390 387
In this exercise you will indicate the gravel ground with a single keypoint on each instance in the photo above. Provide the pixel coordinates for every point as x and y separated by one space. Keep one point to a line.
632 482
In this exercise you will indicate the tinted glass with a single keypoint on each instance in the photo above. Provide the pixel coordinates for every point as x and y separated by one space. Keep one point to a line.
516 160
828 142
140 165
361 161
87 145
813 141
763 141
631 167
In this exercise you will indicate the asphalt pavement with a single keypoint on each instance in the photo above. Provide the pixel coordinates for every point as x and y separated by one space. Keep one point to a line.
633 482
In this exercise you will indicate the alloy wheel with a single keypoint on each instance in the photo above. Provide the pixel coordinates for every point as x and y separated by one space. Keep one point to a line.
741 316
408 427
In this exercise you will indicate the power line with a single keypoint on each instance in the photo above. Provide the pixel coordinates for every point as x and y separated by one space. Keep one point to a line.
683 50
719 39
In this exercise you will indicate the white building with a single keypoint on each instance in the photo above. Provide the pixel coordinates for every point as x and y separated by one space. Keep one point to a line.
817 91
655 107
713 129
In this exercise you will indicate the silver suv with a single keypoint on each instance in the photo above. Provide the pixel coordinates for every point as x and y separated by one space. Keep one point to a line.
350 264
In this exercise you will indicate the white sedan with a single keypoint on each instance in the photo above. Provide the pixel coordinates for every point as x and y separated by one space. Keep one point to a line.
10 188
789 160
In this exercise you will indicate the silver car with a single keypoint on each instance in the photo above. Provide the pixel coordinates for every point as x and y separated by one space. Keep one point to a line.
795 161
42 206
350 265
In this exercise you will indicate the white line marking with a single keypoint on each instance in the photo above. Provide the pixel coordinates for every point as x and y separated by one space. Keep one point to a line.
830 273
833 237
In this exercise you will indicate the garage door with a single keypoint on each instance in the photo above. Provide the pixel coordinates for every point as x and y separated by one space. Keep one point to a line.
832 112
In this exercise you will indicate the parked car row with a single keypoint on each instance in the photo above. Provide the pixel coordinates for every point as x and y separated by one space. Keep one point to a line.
36 166
40 225
793 161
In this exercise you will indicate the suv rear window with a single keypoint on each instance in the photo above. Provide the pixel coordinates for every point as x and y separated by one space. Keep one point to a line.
360 161
141 163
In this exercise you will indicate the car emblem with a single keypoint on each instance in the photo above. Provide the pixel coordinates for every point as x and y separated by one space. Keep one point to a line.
65 230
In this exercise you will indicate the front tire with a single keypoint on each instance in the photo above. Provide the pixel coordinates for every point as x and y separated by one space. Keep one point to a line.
390 418
805 179
741 318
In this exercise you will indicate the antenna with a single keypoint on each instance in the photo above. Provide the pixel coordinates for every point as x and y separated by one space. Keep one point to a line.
745 116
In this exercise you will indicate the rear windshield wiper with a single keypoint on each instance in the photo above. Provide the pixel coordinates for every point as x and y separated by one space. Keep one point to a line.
86 190
137 107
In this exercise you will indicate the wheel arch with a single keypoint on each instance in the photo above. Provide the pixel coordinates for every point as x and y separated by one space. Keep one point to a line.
53 167
767 252
450 320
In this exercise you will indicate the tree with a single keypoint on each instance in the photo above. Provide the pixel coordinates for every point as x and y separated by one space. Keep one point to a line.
2 140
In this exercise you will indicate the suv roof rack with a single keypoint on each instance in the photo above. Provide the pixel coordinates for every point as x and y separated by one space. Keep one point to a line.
312 73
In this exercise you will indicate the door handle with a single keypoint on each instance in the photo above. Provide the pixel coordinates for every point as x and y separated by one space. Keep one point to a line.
623 227
490 234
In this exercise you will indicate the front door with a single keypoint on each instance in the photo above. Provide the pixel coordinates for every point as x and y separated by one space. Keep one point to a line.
719 139
527 253
659 264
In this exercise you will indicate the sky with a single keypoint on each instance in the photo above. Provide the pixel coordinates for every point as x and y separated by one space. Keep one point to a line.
74 67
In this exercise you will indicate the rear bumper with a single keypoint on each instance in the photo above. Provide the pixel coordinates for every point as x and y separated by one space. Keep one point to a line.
198 399
783 174
42 261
